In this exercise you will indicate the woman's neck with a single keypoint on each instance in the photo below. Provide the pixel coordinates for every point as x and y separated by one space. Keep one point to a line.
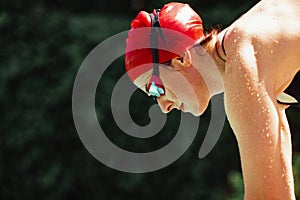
220 45
218 51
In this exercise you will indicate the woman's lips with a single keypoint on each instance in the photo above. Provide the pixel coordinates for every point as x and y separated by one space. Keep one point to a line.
182 107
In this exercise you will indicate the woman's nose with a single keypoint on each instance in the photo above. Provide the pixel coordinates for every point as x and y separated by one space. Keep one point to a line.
165 105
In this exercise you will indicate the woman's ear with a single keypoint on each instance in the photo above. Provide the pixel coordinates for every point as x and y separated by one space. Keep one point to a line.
182 62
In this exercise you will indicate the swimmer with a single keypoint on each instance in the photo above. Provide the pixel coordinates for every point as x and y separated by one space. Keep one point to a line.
257 59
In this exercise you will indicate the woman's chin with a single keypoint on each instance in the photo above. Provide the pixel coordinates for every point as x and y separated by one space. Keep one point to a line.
196 113
196 110
199 111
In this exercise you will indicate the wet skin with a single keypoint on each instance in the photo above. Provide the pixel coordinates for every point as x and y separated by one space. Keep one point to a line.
262 57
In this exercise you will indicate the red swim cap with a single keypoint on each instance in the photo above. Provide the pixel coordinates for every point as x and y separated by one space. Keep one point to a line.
174 16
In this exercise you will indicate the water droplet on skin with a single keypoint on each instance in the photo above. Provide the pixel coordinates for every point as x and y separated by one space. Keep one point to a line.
265 110
259 100
271 51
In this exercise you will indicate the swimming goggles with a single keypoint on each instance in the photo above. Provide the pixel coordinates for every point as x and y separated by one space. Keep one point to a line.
155 87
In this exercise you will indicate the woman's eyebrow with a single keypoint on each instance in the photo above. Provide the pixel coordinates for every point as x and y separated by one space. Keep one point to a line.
167 63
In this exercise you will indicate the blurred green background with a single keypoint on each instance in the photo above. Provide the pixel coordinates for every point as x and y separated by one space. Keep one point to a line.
42 46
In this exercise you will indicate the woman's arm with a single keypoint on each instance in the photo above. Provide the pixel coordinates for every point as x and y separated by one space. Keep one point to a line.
260 126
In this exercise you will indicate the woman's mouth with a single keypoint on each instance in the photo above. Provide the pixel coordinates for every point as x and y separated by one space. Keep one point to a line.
181 107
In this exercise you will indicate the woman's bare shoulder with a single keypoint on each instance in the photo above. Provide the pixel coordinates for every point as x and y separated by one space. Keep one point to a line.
269 34
270 17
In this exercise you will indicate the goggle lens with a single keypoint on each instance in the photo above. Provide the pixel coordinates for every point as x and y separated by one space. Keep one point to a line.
155 87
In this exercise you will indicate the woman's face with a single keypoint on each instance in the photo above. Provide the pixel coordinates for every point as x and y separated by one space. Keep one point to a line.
185 88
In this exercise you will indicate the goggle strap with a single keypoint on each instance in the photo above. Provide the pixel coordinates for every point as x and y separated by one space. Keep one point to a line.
155 31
